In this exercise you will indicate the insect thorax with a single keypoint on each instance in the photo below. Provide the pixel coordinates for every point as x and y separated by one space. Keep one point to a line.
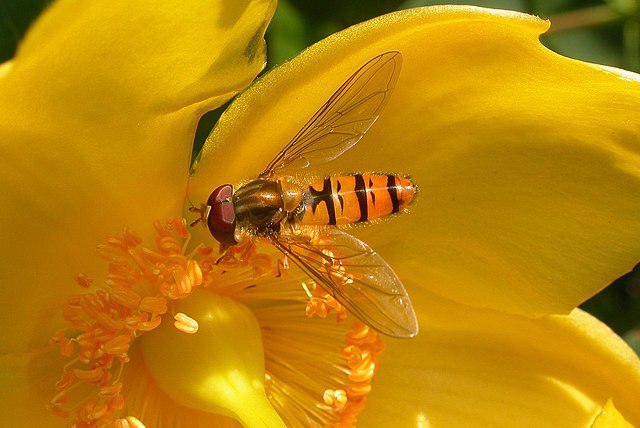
262 204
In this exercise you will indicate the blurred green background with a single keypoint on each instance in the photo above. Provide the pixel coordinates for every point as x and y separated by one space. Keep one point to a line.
604 32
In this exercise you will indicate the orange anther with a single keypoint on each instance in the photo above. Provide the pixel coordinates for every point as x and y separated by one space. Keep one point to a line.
185 324
129 422
118 345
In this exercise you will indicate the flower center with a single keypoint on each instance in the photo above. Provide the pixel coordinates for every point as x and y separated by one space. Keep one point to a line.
208 339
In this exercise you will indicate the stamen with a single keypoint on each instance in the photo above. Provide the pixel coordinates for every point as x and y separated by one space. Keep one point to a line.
129 422
185 324
125 297
362 353
320 303
335 398
83 281
136 292
342 386
91 376
149 325
153 305
143 284
119 345
111 390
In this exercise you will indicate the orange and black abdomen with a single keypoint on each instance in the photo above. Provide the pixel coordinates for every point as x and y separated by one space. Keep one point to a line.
355 198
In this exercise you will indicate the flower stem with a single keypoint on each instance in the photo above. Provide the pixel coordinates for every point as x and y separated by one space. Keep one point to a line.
581 18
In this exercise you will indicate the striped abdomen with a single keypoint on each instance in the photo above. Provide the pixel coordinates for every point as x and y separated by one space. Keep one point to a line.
355 198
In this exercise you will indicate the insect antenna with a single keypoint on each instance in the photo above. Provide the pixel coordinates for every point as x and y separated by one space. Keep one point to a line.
202 210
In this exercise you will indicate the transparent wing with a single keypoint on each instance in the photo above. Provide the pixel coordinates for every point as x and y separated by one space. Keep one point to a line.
344 118
356 276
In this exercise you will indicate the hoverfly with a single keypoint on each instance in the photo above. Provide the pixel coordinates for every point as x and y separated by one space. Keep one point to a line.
300 220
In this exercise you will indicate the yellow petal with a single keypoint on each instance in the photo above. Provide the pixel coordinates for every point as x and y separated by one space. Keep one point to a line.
527 161
480 368
610 417
26 386
100 106
153 57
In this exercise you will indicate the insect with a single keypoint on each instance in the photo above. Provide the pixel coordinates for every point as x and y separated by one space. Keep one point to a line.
300 220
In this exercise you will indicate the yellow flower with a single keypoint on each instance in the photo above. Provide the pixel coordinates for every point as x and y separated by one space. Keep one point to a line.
528 169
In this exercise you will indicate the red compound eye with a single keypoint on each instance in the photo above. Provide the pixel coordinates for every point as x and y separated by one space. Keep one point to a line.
222 217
